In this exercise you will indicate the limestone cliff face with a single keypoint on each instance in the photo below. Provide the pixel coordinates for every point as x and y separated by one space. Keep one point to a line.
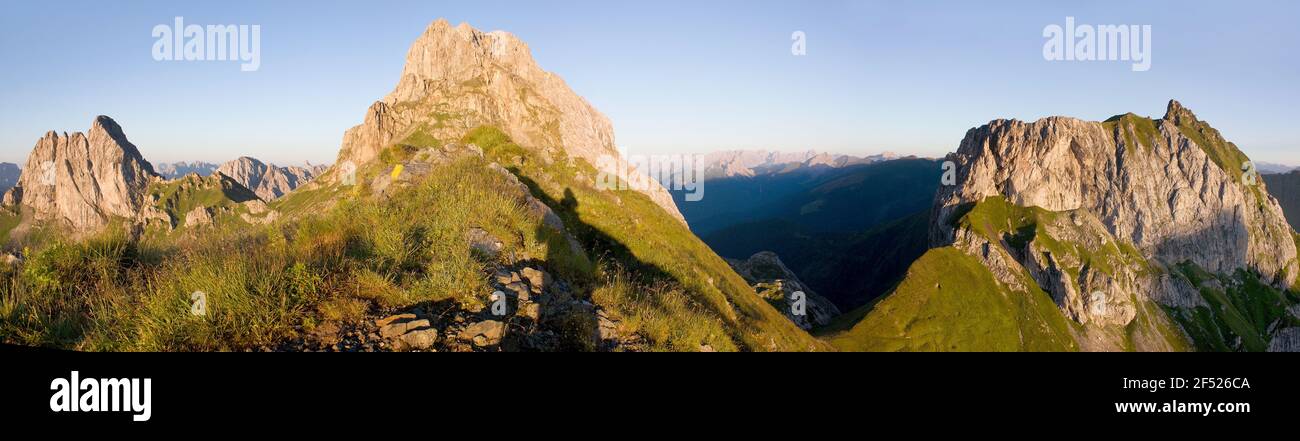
1099 214
269 182
458 78
83 180
1159 189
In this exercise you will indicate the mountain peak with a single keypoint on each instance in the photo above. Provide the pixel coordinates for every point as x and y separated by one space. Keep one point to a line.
466 78
268 181
462 54
1154 185
457 79
83 179
106 123
1178 114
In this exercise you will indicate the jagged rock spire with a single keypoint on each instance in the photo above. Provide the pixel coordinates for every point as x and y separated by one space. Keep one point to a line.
82 180
1178 114
457 78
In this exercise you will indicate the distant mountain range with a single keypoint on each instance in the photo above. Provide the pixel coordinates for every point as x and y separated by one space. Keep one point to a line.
1269 168
732 163
178 169
9 173
269 181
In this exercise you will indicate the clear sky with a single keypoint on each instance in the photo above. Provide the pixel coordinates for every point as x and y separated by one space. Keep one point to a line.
674 76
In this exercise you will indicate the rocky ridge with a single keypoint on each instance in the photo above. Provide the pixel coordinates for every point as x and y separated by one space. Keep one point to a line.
459 78
268 181
84 180
1101 214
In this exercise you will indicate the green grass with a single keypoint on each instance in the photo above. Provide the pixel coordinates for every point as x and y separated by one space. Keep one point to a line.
1240 310
948 286
950 302
267 284
997 219
10 217
342 254
1223 153
628 228
1135 130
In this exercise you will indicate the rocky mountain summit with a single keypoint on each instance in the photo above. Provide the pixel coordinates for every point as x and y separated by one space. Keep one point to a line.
1172 187
1142 234
82 180
458 78
268 181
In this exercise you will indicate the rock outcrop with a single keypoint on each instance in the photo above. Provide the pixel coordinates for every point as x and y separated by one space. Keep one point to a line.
1151 182
84 180
268 181
773 281
458 78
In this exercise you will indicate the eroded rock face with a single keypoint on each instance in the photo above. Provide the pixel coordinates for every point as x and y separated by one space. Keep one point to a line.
458 78
83 180
1123 203
1164 194
779 286
269 182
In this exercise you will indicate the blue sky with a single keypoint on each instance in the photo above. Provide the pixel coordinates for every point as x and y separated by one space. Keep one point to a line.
909 77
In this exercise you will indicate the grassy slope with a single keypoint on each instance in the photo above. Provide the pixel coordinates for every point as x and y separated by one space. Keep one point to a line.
1136 131
627 227
345 253
974 289
950 302
1240 313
